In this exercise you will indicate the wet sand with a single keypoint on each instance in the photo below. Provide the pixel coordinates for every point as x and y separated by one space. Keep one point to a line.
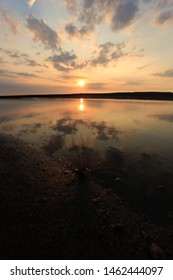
49 213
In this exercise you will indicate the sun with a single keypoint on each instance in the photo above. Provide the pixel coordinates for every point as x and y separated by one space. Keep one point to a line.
81 83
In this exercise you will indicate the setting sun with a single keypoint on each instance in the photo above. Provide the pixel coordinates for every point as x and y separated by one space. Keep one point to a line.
81 83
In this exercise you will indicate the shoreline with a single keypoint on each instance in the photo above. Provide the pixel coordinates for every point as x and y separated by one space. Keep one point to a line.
163 96
47 213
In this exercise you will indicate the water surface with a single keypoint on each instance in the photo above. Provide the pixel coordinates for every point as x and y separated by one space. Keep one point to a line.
125 145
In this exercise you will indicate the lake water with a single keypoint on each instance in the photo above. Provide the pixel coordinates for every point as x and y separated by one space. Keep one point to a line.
125 145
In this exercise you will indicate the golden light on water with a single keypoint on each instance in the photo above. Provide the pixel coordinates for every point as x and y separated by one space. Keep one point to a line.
81 106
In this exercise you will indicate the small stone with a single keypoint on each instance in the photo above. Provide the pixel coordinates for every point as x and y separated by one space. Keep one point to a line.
118 179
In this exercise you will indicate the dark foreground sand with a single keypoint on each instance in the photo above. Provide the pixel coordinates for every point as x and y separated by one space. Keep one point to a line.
44 216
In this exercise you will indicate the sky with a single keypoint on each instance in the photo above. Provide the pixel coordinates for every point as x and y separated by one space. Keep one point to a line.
72 46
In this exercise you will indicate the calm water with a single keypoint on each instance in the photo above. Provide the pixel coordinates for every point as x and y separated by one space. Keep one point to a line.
126 145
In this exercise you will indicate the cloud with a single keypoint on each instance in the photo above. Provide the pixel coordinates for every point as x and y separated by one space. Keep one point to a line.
124 14
66 126
108 52
159 4
164 16
167 74
72 77
66 61
88 4
118 14
163 117
25 74
103 131
42 32
144 66
163 3
55 143
12 74
20 58
86 21
72 5
160 10
133 83
13 54
31 2
12 22
89 16
73 31
31 62
27 129
2 61
5 119
6 73
97 86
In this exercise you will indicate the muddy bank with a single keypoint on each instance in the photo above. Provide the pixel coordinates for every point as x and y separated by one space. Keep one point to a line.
49 213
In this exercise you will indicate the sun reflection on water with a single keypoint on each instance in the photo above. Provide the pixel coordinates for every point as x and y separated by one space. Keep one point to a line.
81 106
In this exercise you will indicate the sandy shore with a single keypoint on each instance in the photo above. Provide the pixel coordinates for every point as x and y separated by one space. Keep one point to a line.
47 213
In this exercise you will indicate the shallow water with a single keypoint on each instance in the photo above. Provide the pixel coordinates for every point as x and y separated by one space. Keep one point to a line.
125 145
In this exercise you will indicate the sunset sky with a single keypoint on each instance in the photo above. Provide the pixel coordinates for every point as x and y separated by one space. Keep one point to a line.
68 46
